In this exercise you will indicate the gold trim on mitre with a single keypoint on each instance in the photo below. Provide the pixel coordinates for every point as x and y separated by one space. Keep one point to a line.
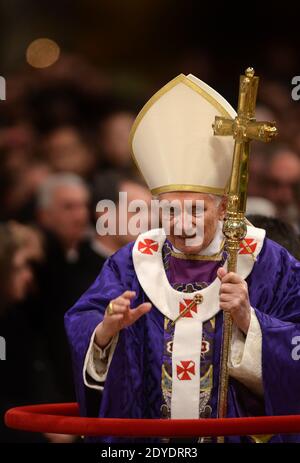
193 188
181 78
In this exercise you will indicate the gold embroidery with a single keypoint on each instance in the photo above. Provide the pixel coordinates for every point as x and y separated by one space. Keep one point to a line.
206 384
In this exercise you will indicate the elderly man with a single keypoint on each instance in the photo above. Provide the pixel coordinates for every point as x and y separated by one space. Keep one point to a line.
69 268
136 337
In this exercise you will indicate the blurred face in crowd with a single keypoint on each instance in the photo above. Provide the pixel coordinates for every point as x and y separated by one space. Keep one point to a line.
213 210
257 169
21 276
24 186
114 134
283 176
16 144
67 214
20 247
66 152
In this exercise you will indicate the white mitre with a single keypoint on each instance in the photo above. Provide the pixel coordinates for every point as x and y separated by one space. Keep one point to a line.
172 139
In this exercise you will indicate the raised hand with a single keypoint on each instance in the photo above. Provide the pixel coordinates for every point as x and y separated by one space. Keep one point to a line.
119 315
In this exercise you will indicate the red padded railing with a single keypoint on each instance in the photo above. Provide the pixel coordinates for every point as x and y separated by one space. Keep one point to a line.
64 419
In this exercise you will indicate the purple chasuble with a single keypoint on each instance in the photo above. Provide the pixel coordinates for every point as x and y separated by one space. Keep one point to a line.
133 387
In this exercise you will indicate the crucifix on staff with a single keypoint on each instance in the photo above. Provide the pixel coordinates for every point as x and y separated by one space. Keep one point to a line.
244 128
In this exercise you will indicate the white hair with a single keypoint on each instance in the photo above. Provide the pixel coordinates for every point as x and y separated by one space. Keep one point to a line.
54 182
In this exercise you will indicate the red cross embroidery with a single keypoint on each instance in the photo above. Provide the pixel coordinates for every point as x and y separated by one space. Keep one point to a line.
183 305
247 246
185 370
148 246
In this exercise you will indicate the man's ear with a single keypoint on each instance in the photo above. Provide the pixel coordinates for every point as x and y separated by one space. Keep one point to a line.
222 207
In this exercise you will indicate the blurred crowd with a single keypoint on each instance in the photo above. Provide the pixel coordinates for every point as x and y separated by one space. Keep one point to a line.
63 147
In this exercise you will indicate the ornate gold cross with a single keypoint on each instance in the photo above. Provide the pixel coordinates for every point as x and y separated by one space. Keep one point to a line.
244 128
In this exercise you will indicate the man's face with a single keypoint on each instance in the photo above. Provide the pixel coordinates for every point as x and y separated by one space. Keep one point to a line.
67 215
283 176
114 138
21 277
204 220
66 152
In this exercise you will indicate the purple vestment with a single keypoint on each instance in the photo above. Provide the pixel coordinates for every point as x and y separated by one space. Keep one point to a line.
133 384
